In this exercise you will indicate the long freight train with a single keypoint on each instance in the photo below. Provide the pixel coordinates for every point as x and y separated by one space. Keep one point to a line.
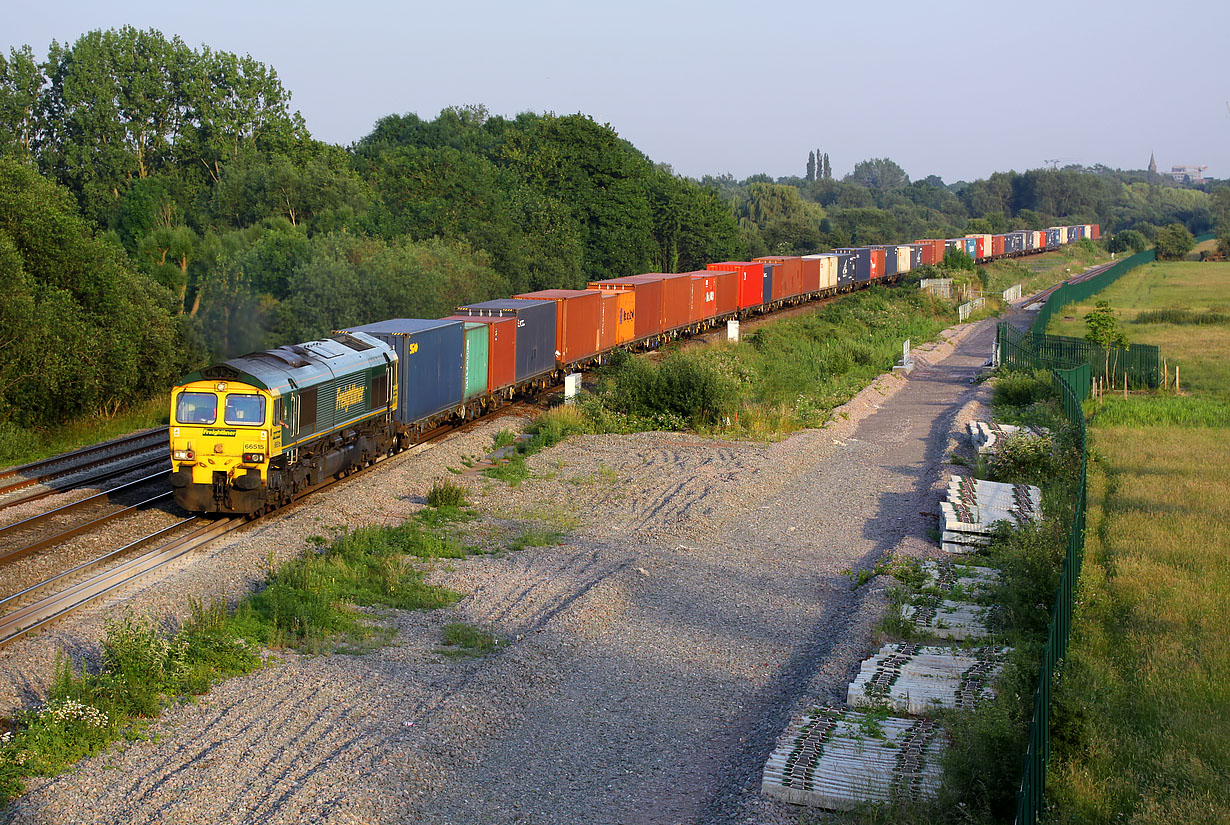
252 433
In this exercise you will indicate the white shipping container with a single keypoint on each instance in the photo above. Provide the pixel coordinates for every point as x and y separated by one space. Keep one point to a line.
903 259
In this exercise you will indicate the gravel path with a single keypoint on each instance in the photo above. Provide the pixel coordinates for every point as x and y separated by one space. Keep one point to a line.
647 664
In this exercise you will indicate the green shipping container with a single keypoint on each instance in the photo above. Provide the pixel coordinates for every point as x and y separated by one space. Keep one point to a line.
477 358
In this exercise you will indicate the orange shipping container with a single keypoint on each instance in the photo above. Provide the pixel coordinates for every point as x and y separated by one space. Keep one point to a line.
645 307
877 263
811 274
727 288
578 321
610 312
625 316
704 295
676 307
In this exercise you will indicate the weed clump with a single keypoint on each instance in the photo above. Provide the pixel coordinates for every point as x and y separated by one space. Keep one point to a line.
445 493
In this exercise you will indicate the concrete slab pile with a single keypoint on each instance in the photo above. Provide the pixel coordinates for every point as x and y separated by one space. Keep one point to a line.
987 435
838 758
916 679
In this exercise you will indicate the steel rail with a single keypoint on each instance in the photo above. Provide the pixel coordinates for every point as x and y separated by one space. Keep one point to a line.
39 614
83 451
73 505
20 552
110 474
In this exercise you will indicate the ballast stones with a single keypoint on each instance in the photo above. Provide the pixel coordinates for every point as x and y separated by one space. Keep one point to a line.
837 758
912 678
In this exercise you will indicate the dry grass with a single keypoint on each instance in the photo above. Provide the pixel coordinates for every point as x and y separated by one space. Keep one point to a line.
1143 716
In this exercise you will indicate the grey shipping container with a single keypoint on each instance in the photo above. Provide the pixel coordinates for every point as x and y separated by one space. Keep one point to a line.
535 331
860 257
431 364
916 255
890 261
845 268
770 271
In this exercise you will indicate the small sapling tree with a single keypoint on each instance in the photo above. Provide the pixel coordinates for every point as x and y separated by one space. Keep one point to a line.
1102 328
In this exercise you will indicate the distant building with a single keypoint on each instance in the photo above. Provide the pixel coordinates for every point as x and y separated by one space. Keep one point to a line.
1152 165
1187 174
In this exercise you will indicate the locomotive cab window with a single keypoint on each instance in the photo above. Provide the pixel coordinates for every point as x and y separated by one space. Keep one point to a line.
245 410
196 408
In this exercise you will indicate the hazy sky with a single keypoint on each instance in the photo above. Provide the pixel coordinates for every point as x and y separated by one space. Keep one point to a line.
958 89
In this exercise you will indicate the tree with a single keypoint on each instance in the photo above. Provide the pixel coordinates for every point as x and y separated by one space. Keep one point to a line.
828 167
1102 328
1129 240
811 167
21 84
977 226
1173 242
878 173
1223 247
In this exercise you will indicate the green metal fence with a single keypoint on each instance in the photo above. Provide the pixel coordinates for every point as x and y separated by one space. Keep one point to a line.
1073 364
1038 751
1140 363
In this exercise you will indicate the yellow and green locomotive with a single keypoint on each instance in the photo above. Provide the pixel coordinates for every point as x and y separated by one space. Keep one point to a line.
249 434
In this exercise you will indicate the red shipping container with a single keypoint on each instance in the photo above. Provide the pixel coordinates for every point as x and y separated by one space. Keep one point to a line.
877 263
676 297
980 249
704 295
811 276
751 281
997 245
646 319
727 288
937 250
1097 231
610 320
788 279
501 348
578 321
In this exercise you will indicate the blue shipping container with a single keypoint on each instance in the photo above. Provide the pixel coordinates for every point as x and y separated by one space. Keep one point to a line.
845 268
860 260
431 364
535 331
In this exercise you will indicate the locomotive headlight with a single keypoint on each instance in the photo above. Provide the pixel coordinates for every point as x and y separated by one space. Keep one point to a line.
183 455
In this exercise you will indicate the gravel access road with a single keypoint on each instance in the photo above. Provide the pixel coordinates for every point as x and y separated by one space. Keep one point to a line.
646 664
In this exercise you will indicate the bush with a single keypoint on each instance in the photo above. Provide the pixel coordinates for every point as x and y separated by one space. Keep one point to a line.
1026 459
684 384
1020 389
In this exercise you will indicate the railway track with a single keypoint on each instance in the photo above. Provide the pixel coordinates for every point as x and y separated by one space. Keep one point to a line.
54 538
59 596
69 467
1075 279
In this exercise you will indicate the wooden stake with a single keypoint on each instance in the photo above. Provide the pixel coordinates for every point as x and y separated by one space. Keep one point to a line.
1165 375
1176 377
1125 385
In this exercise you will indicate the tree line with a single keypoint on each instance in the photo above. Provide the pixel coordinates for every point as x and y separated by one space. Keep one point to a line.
162 205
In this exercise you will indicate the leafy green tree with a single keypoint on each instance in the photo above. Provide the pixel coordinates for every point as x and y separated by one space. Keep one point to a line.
1102 328
811 167
878 173
1223 247
82 332
21 84
977 226
1173 242
958 260
1129 240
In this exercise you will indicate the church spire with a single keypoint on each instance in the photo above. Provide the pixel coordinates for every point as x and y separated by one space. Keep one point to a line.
1152 165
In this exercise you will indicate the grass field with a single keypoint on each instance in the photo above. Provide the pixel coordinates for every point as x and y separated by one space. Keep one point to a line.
1142 713
20 446
1201 349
